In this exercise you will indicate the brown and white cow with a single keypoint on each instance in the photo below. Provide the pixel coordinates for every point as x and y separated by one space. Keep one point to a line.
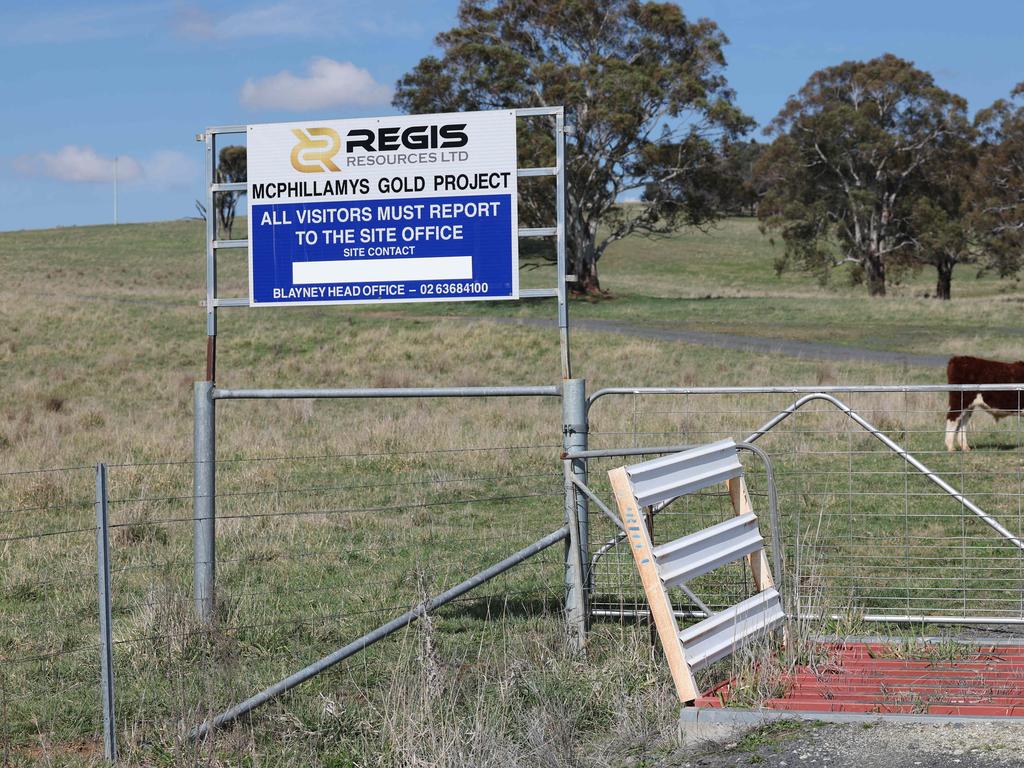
977 370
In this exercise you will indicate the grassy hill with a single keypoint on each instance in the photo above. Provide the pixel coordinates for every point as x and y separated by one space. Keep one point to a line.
334 516
104 331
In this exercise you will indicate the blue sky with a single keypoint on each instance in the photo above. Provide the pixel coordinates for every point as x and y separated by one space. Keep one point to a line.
87 81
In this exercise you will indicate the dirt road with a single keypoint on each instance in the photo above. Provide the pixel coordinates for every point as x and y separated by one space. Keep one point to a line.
809 349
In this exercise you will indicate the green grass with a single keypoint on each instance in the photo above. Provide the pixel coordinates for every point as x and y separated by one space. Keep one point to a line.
724 281
104 336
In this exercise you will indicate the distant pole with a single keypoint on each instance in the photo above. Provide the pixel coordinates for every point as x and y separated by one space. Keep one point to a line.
115 190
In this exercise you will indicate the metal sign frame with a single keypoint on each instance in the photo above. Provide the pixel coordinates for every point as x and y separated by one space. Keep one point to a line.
572 392
213 245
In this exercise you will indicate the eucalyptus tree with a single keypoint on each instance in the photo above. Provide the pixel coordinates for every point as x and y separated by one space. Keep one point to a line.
849 162
999 182
645 96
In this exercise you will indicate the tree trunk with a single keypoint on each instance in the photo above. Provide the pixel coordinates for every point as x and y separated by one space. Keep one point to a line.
944 285
587 282
874 272
584 261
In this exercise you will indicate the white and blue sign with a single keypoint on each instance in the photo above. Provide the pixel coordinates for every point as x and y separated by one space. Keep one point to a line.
380 210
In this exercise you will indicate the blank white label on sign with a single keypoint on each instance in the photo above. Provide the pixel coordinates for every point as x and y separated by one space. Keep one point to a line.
383 270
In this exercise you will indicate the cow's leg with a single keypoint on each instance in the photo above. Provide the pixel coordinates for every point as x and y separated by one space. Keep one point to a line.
951 430
961 426
954 415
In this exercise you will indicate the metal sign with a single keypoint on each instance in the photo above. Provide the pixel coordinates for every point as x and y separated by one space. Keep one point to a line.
381 210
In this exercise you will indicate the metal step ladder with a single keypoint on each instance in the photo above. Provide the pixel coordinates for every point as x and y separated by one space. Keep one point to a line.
675 563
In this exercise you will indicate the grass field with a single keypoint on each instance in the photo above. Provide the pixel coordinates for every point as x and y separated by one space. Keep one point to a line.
334 516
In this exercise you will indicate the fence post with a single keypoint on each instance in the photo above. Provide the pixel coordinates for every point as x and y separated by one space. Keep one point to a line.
574 437
106 638
204 501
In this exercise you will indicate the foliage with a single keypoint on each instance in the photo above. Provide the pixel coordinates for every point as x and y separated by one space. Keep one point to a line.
939 221
231 169
737 163
645 97
848 164
999 182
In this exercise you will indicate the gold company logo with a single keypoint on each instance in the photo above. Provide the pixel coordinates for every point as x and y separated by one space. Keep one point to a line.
315 150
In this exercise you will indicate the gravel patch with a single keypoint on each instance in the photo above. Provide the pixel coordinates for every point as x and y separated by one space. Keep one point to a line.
863 745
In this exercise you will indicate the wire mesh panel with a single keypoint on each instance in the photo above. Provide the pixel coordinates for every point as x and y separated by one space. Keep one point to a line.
49 657
865 533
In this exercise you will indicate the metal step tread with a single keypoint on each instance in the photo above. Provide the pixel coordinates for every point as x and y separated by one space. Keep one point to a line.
718 636
671 476
698 553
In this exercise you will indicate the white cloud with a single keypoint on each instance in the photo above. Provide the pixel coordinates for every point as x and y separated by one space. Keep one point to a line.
164 168
328 83
73 163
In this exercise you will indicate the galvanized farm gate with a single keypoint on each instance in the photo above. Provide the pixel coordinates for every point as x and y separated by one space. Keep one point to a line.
879 522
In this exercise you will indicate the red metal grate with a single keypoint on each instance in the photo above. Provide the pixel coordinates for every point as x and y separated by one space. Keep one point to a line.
857 677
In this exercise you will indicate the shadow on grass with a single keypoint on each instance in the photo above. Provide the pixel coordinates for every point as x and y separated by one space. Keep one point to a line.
494 607
994 446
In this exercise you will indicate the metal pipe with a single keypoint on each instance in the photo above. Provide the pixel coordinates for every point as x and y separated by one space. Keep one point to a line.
227 129
773 511
574 435
801 390
106 631
379 633
560 264
542 171
210 165
895 448
287 394
204 501
613 452
696 600
600 504
575 589
536 111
